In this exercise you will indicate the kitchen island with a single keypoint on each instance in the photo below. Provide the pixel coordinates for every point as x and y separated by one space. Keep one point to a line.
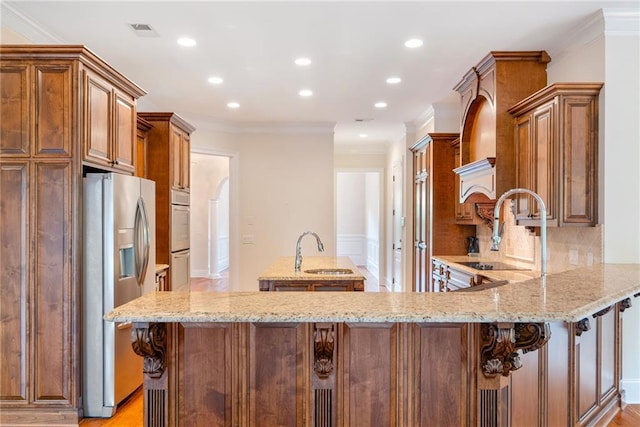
530 353
316 274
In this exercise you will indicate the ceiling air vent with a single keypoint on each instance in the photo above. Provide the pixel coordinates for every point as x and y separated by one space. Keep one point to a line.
143 30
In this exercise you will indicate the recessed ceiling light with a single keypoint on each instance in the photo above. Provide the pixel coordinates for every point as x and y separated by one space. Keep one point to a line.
363 135
186 42
305 92
215 80
380 104
302 61
233 105
413 43
394 80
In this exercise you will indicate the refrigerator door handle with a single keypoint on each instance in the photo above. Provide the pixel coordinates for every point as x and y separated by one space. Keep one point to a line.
141 232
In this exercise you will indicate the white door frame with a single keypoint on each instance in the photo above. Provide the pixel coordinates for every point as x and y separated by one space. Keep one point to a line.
381 212
234 210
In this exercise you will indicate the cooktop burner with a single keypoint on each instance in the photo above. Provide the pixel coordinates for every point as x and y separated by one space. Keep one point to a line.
492 265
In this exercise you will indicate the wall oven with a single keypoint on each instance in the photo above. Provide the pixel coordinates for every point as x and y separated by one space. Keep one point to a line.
180 270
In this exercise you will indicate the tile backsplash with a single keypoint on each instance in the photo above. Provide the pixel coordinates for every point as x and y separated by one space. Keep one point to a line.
567 247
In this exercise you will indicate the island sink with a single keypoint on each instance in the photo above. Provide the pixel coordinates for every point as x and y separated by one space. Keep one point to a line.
317 274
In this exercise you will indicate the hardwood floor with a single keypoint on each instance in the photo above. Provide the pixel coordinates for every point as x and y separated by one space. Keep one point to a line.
129 414
630 417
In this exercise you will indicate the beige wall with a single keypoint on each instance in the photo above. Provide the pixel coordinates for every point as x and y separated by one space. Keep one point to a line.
281 182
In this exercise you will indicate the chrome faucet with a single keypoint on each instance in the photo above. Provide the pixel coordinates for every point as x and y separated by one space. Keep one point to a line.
543 225
299 249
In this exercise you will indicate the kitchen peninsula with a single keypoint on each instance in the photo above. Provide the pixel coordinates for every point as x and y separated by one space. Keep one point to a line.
407 359
316 274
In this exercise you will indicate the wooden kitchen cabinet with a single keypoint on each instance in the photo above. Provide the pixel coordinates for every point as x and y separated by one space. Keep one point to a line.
436 231
309 285
111 115
464 212
447 278
556 142
168 165
48 108
168 149
487 91
142 140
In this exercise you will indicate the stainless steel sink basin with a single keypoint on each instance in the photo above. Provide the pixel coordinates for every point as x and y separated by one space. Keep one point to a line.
330 271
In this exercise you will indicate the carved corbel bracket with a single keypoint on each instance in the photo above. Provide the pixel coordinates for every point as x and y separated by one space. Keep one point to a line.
602 312
150 342
582 326
486 212
323 343
502 342
624 304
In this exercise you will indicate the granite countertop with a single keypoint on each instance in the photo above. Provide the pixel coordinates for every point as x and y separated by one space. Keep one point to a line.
568 296
284 269
496 275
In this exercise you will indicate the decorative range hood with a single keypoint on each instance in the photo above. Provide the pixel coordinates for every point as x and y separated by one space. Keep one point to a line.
478 177
487 91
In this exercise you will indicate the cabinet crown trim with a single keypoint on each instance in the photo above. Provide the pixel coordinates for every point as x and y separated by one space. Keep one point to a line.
549 92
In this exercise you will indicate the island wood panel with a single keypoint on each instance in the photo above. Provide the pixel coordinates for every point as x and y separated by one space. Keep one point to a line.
527 390
204 363
438 375
558 351
391 374
278 380
369 375
598 400
312 285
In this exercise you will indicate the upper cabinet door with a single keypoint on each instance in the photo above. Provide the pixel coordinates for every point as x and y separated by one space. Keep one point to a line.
176 158
111 134
98 112
14 110
185 161
125 133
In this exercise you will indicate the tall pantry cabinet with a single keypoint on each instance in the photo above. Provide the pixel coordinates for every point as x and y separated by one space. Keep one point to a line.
62 109
169 144
435 229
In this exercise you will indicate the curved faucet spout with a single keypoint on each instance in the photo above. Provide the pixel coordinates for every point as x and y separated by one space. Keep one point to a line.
298 260
543 225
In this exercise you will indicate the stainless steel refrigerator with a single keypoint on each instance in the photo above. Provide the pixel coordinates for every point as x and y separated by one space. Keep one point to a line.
119 266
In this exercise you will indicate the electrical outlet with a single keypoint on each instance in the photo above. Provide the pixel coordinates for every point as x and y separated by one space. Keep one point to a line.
247 239
573 256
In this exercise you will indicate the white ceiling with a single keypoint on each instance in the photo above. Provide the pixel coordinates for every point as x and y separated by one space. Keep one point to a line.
354 47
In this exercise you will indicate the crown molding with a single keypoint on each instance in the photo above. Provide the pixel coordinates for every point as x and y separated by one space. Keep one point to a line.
621 22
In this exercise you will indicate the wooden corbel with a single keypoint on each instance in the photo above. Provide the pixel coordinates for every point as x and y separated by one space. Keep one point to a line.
624 304
486 212
149 340
323 344
582 326
502 342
